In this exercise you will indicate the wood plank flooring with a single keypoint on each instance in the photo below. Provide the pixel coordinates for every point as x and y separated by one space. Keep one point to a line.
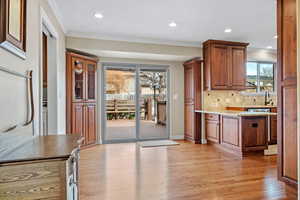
183 172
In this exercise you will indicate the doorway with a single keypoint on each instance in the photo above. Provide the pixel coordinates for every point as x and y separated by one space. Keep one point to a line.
51 117
135 103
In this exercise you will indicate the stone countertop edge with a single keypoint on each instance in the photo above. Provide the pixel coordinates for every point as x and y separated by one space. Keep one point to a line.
236 113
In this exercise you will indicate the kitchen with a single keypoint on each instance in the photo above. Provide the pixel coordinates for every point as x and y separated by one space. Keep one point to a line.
235 102
231 110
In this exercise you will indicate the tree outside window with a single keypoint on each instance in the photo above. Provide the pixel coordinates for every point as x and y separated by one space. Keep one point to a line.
260 77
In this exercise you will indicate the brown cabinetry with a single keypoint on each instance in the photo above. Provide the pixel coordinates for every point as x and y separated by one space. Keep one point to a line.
287 91
224 65
212 128
192 100
255 133
81 96
231 133
243 134
272 122
273 130
34 180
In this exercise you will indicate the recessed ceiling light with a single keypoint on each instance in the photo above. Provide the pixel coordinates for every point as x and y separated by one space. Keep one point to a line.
228 30
98 15
269 47
172 24
276 36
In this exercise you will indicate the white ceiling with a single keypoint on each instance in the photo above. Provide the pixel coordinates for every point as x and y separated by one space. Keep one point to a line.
252 21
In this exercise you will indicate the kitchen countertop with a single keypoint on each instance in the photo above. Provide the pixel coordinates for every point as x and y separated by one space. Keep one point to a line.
43 147
253 106
235 113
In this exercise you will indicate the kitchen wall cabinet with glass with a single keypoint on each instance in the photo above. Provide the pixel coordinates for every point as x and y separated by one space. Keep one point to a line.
81 93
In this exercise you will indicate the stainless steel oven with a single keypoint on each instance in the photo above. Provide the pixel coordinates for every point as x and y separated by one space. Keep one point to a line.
73 176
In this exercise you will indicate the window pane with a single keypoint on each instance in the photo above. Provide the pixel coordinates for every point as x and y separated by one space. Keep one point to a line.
251 76
266 77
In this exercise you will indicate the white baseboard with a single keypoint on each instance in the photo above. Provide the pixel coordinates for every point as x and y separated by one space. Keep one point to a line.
177 137
57 133
203 141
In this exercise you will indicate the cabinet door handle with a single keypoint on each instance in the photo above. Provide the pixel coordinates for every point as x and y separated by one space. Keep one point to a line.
254 125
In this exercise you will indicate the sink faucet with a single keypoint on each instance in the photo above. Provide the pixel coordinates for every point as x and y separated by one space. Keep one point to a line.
267 101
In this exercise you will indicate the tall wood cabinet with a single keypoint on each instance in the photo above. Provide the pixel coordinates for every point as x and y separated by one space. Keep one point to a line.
287 91
192 100
224 65
81 96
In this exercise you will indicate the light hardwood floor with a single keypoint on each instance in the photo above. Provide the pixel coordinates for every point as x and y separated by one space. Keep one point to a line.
183 172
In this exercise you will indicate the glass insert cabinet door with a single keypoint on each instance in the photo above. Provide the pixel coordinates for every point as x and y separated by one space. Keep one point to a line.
84 80
78 84
91 81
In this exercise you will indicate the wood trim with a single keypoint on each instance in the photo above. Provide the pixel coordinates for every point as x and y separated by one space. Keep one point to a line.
68 92
284 25
85 57
230 43
2 20
45 61
4 25
192 61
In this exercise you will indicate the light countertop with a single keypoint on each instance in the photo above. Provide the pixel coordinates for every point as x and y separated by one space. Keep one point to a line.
253 106
236 113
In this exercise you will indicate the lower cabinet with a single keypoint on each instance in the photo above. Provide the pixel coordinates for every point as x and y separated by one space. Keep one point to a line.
90 123
255 131
212 128
237 134
77 119
230 132
273 130
192 124
84 122
33 180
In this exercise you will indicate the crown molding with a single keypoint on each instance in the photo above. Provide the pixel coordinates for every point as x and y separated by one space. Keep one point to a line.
58 15
132 39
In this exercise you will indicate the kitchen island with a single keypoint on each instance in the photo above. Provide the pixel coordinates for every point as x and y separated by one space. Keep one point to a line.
238 132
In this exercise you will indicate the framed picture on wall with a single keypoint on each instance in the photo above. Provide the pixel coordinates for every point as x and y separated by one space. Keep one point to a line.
13 26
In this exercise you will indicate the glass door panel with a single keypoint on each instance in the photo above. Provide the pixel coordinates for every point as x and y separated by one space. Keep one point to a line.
153 104
78 79
120 106
91 81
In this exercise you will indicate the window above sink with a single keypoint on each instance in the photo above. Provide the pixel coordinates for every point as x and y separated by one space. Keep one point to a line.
261 77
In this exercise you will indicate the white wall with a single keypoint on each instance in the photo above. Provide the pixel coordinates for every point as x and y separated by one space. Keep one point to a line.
120 49
262 55
13 92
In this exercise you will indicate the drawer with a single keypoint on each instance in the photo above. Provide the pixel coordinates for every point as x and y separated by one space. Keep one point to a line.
33 181
214 117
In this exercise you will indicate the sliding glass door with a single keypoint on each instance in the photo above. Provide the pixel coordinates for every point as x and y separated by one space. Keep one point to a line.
153 103
120 103
135 103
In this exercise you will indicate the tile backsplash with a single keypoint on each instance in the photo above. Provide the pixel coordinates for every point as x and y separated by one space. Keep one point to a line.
222 99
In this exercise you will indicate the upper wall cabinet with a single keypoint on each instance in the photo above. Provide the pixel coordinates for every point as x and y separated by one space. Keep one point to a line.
224 65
